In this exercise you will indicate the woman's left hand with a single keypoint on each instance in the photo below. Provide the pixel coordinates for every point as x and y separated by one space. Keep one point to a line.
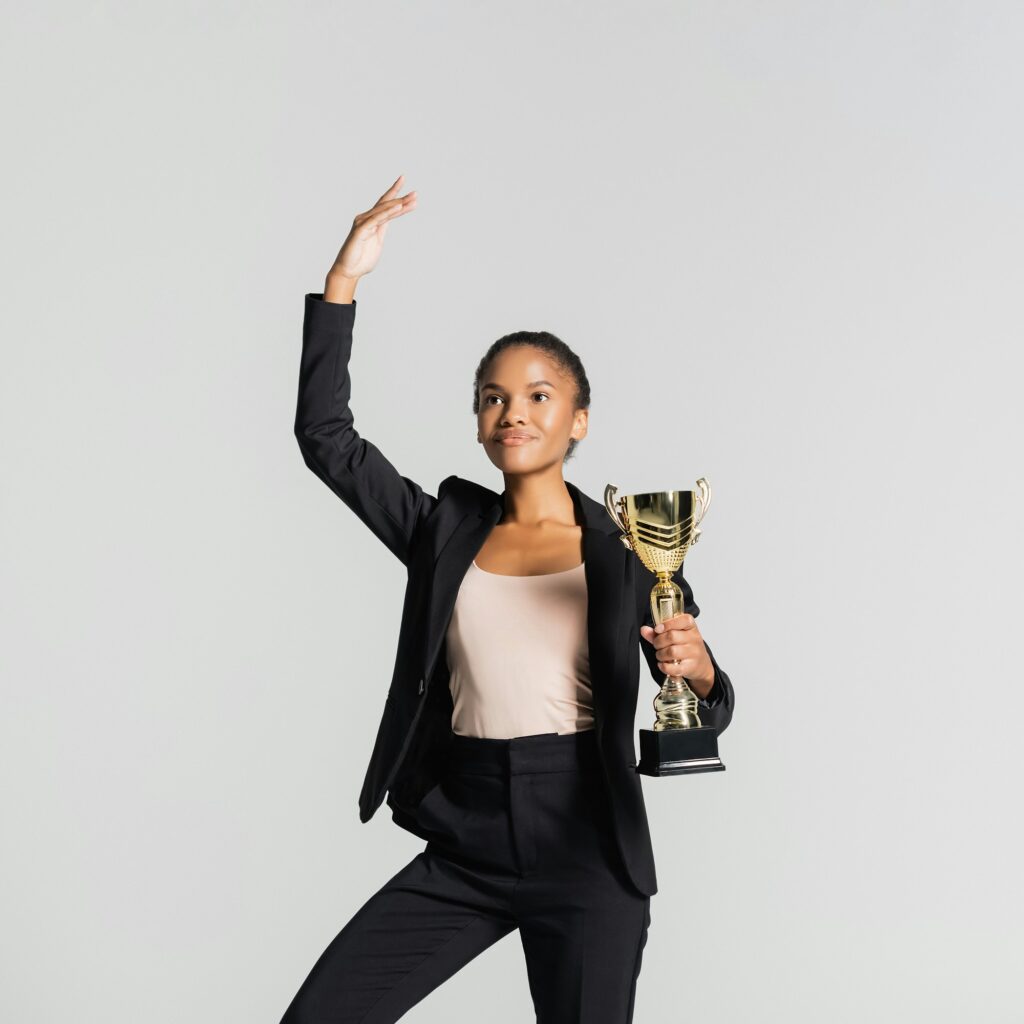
681 652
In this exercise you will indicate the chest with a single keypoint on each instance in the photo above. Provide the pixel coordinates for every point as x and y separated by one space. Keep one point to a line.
513 550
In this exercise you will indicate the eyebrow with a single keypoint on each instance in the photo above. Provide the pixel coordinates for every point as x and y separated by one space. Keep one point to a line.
532 384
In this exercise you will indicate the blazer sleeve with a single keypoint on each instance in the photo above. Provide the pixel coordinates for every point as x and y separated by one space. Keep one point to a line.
391 505
716 709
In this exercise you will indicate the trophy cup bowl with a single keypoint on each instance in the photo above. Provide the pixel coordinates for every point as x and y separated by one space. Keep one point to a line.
660 528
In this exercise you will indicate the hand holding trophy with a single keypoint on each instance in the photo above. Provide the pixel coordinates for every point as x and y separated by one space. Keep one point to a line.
660 528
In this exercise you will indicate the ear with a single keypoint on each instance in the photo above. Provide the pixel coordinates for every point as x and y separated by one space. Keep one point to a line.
579 430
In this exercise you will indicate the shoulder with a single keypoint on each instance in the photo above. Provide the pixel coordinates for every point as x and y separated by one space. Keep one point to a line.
464 494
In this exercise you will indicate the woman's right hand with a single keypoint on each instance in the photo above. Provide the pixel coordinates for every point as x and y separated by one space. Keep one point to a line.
362 248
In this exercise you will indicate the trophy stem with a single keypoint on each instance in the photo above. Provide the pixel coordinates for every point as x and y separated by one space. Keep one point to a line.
675 706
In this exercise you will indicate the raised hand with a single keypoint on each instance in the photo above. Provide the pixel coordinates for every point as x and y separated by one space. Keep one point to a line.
361 250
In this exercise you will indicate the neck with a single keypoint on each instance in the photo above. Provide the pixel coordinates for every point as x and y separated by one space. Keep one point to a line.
533 499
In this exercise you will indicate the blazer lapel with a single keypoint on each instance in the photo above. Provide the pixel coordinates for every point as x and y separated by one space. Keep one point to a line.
451 566
605 569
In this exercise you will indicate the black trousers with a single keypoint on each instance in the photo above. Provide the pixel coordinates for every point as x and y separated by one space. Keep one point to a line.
520 837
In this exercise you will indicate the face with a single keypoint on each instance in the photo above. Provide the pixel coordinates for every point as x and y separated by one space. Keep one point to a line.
523 392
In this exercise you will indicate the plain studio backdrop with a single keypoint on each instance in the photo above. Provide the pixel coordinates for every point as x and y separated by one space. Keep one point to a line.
785 240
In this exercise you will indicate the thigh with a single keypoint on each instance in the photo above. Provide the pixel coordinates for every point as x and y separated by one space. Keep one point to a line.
420 928
583 956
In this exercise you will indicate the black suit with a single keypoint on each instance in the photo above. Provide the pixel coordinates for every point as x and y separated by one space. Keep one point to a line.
436 538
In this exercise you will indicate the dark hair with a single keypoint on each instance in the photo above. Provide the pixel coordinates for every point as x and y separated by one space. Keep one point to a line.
563 357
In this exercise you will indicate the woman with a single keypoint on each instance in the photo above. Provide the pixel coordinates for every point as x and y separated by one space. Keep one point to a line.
507 735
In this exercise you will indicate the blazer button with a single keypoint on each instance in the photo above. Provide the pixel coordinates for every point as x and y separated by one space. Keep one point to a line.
421 687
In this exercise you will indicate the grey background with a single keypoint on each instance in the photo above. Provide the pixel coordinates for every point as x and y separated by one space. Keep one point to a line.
784 238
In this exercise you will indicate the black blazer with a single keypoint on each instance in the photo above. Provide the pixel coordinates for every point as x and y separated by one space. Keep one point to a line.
436 538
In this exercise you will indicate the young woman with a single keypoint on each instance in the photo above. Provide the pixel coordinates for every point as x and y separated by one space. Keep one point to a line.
507 734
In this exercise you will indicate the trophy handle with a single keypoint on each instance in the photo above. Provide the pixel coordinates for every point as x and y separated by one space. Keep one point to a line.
705 499
612 506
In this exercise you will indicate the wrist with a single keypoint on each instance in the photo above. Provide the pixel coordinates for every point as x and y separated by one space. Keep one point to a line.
338 288
700 688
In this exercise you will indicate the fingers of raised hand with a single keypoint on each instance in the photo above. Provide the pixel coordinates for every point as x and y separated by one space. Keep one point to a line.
397 205
387 209
393 190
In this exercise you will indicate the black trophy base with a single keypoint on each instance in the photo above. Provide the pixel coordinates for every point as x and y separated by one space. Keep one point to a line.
679 751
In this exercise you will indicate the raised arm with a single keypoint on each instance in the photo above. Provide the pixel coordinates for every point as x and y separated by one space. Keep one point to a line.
391 505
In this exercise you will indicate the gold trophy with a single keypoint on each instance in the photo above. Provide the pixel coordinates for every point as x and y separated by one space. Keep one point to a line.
660 528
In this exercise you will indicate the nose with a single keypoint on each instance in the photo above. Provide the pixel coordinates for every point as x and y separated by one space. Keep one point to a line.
512 416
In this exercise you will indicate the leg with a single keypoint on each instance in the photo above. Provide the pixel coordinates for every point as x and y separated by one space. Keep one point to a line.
582 923
583 958
419 929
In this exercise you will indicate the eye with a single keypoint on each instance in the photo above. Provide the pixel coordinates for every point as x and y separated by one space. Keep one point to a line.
543 394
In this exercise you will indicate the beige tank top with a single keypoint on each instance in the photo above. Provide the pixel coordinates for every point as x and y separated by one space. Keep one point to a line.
518 655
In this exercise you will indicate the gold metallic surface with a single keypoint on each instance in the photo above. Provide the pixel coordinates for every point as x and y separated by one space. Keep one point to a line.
660 527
